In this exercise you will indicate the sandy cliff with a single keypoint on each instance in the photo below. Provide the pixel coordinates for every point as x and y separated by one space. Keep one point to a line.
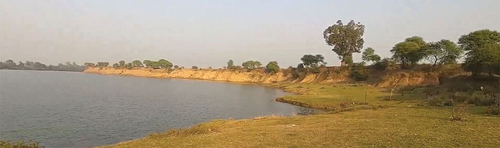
380 79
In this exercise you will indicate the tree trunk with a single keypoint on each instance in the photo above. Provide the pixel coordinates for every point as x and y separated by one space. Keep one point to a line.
342 63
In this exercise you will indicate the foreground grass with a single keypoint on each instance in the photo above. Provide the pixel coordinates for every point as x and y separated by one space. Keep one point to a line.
401 122
399 126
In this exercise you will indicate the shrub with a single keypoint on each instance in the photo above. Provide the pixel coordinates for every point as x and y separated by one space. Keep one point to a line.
194 67
358 71
382 65
19 144
493 110
459 112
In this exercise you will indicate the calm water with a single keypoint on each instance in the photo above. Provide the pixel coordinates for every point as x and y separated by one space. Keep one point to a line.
64 109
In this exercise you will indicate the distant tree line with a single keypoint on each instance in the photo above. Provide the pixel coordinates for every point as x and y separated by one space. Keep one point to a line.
29 65
160 64
481 50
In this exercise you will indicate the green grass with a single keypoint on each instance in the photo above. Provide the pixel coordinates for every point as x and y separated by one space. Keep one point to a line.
405 121
399 126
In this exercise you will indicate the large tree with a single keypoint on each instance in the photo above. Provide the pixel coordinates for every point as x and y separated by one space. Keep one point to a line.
369 55
410 51
345 39
443 52
483 51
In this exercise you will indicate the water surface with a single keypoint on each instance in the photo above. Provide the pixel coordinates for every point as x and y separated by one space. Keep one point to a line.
68 109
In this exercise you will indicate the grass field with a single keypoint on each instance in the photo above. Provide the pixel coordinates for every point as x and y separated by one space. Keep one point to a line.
404 121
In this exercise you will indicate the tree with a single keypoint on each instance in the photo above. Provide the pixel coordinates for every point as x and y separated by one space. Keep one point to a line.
410 51
99 64
230 64
257 64
345 39
147 63
20 65
483 51
10 64
369 55
272 67
137 63
129 66
122 64
89 64
176 67
442 52
194 67
310 60
162 63
251 64
116 65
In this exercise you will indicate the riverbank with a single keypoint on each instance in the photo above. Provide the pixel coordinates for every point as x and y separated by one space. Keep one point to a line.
402 122
375 118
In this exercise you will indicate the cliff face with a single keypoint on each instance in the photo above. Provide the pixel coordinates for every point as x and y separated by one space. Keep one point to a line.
380 79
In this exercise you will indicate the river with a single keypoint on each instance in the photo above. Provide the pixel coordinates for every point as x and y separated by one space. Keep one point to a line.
70 109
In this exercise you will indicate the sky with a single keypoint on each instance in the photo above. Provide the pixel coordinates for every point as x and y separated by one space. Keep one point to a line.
209 33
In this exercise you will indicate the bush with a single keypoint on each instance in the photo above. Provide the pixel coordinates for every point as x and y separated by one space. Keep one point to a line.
493 110
382 65
194 67
459 112
358 72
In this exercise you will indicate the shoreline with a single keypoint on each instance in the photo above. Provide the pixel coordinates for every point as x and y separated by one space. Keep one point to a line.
370 111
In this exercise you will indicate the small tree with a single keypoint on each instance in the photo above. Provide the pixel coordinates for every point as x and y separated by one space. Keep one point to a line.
230 64
370 56
194 67
272 67
176 67
116 65
345 39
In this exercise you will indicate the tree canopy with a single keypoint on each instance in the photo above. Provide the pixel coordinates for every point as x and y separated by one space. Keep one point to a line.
313 60
137 63
230 64
251 64
410 51
483 51
443 52
345 39
272 67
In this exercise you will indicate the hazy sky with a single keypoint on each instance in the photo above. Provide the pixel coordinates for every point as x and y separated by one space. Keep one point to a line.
209 33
